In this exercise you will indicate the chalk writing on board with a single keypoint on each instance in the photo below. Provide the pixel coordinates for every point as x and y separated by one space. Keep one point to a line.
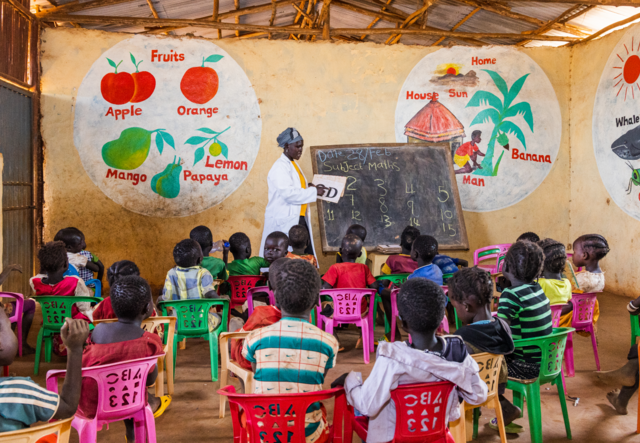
390 187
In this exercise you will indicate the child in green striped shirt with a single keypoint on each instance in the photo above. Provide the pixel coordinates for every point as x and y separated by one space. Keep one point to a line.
527 310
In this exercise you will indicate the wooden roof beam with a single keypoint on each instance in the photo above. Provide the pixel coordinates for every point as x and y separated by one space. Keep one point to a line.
496 8
457 25
21 9
567 15
634 3
78 5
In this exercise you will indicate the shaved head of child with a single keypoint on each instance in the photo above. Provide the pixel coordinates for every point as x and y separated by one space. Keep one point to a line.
351 247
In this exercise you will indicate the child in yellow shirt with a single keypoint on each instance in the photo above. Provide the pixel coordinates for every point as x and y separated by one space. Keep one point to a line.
555 287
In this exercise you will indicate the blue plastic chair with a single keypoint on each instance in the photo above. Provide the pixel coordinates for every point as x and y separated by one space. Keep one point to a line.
73 272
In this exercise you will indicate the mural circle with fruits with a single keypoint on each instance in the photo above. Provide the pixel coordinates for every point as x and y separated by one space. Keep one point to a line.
167 127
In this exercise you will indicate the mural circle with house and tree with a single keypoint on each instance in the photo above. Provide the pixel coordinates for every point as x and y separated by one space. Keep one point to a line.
616 124
497 111
167 127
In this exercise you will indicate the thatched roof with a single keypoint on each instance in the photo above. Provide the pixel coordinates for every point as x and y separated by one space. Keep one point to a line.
434 123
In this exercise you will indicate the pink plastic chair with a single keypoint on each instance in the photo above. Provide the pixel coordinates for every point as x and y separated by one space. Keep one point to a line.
556 313
17 315
121 395
347 309
444 325
421 414
250 292
583 306
488 253
281 417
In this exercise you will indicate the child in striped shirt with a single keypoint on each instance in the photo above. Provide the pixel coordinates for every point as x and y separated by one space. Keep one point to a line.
525 308
23 402
293 356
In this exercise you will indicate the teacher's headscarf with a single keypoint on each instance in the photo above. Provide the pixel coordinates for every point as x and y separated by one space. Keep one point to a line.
288 136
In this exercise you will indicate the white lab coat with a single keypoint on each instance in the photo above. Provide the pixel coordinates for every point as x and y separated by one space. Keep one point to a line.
286 197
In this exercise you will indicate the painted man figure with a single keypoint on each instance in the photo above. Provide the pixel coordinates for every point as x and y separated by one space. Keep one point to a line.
467 153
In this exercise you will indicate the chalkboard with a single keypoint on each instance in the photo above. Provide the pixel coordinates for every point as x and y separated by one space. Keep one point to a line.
389 187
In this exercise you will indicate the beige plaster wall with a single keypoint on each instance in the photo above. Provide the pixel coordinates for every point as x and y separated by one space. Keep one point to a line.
592 209
333 93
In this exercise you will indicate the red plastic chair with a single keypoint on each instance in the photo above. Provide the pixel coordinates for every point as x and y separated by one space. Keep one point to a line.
488 253
240 284
347 309
421 414
17 315
122 393
281 417
254 290
583 306
444 325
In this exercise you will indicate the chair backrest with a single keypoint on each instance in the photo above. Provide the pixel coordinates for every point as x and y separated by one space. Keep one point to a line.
421 411
55 308
281 417
490 252
556 313
490 365
240 284
583 306
54 432
396 279
71 271
446 277
122 386
19 298
257 289
552 348
347 302
193 315
150 325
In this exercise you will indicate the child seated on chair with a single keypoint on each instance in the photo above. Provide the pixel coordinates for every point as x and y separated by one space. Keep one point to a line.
428 358
402 263
526 309
627 376
292 355
349 273
188 280
84 261
471 292
23 402
555 287
588 250
423 251
361 232
119 269
299 240
243 263
121 341
28 309
262 316
502 282
216 266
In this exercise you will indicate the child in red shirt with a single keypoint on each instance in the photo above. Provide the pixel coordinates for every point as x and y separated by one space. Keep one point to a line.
121 341
119 269
349 274
403 263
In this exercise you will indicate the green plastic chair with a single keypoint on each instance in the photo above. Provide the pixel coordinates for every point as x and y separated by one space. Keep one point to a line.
446 277
635 328
193 322
396 279
55 309
552 348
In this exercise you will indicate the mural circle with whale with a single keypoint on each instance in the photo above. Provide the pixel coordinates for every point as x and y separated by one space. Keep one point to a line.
167 127
616 124
497 112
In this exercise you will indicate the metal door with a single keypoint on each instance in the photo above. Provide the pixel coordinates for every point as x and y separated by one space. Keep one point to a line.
18 205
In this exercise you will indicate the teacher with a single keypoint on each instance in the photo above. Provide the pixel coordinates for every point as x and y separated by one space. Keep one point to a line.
289 192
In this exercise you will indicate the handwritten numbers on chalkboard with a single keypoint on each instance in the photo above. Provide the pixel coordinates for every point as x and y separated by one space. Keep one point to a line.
380 184
446 217
385 219
442 194
355 215
350 182
413 221
408 188
331 215
353 202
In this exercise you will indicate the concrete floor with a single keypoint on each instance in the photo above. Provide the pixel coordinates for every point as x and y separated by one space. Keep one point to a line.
193 414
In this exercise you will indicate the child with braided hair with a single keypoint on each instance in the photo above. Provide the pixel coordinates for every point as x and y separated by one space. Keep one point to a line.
555 286
119 269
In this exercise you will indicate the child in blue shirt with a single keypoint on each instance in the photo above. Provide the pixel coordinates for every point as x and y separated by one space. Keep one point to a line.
423 251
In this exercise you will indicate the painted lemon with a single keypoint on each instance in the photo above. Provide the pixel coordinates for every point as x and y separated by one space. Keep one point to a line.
215 149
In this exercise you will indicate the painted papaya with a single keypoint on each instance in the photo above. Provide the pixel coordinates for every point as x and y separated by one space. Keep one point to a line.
167 183
129 151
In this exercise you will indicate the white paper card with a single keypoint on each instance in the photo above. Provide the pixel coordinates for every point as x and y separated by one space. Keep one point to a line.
335 185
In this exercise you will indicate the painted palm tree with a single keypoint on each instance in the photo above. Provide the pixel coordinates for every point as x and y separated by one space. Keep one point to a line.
498 112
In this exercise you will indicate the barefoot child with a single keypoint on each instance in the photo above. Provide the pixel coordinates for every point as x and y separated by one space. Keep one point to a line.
428 358
121 341
24 403
471 292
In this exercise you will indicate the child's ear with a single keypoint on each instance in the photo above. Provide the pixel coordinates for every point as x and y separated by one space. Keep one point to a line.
466 306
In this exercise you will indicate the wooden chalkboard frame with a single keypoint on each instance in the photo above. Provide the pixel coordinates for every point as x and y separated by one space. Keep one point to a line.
463 245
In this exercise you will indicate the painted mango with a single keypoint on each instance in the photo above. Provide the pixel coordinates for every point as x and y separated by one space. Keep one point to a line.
129 151
167 183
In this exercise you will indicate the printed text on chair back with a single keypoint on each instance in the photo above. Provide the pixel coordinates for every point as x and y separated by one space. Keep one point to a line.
489 365
56 308
240 284
421 411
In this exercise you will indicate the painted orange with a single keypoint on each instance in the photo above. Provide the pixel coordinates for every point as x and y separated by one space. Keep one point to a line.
199 84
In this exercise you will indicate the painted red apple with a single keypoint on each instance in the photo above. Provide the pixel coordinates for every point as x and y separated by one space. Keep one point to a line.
200 84
145 83
117 88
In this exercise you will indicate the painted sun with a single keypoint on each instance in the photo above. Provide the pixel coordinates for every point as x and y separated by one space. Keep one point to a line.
627 75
